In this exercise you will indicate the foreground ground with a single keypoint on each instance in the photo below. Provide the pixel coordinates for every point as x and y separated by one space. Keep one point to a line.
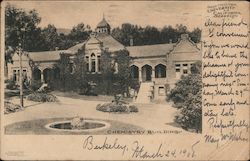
155 117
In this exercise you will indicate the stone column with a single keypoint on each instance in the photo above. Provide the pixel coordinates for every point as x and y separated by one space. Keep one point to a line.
42 77
153 74
189 68
90 63
96 64
140 75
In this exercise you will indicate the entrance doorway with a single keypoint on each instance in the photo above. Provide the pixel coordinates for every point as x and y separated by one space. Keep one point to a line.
146 73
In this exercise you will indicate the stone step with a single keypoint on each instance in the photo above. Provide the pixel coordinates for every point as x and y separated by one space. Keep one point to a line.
145 93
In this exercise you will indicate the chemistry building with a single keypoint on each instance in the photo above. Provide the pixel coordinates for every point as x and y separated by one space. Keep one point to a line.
153 66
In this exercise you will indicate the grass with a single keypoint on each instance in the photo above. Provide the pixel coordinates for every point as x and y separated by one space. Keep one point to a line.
13 93
37 127
75 95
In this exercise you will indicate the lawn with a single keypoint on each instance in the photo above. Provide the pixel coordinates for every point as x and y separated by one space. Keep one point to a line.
75 95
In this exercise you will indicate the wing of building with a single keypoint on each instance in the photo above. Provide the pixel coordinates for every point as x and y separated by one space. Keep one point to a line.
155 67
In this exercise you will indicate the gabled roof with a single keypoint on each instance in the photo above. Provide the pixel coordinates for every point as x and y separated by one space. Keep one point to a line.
74 49
149 50
46 55
109 42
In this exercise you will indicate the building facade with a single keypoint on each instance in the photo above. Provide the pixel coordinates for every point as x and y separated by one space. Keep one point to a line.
155 67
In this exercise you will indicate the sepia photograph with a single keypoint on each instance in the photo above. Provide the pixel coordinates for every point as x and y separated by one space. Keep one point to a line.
114 76
104 71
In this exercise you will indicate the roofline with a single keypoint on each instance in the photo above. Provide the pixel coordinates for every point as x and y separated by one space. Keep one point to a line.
155 56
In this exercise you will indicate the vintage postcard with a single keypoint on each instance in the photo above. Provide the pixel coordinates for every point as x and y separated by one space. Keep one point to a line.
124 80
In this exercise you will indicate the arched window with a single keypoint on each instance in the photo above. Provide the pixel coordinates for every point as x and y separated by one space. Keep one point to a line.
87 63
71 68
93 63
99 63
134 70
160 71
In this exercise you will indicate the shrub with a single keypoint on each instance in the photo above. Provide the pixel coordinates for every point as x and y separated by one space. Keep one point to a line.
10 84
42 97
116 108
191 113
10 107
187 97
133 108
35 85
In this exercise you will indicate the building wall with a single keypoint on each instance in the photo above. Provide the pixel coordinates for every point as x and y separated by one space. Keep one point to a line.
15 67
184 53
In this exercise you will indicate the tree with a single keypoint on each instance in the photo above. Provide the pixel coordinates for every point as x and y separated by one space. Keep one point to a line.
181 29
195 35
9 52
187 98
107 71
123 75
150 35
127 32
80 33
50 37
80 71
169 33
64 42
21 27
64 69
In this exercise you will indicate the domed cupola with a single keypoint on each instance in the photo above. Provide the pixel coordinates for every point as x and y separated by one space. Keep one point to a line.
103 26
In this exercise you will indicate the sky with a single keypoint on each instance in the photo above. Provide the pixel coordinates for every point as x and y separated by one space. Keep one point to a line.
66 14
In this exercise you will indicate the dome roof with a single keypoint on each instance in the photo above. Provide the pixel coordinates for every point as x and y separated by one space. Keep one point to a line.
103 23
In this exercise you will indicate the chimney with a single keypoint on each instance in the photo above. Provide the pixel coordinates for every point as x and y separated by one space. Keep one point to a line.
184 37
131 41
93 34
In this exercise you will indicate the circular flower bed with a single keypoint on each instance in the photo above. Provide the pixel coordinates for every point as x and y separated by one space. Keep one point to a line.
42 97
117 107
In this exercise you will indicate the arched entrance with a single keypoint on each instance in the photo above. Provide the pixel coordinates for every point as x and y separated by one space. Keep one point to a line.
56 73
37 74
134 70
48 75
146 73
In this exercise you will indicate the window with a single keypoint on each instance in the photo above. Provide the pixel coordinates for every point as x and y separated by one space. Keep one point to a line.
134 70
25 73
161 91
160 71
185 71
93 63
14 75
99 63
87 63
71 68
178 71
18 74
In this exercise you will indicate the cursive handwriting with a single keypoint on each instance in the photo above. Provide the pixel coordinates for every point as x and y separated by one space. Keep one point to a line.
89 144
225 75
137 149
